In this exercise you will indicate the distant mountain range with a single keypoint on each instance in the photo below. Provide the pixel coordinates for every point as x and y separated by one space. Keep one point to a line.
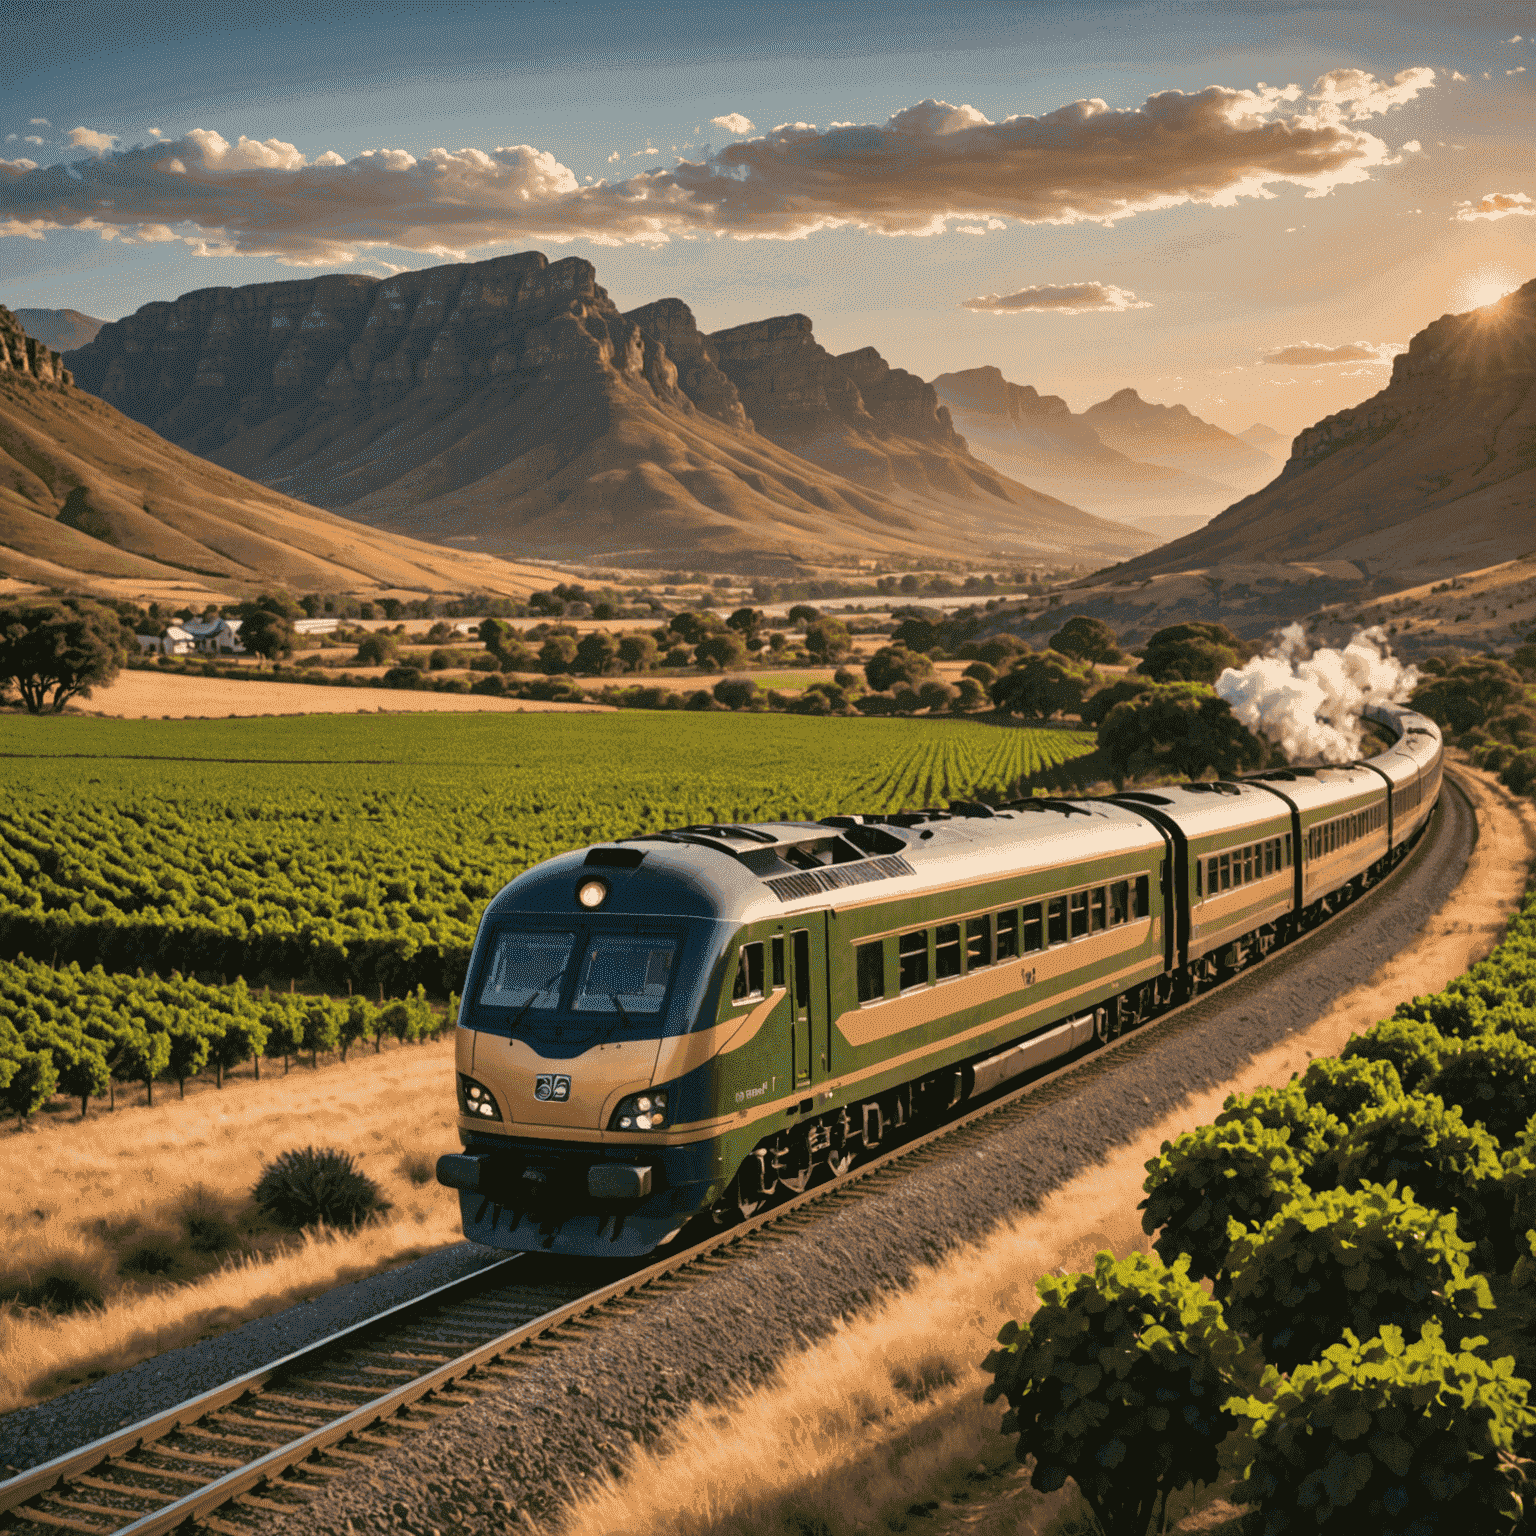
1156 467
509 407
91 500
61 329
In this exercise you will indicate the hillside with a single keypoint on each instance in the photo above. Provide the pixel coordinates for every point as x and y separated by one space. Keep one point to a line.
61 329
90 500
508 406
1173 436
1433 476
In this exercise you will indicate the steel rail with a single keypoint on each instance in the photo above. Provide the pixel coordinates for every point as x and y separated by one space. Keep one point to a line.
43 1479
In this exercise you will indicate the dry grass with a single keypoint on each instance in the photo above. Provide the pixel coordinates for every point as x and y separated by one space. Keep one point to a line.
148 1211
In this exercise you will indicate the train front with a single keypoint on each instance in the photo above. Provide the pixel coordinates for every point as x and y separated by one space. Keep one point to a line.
586 1095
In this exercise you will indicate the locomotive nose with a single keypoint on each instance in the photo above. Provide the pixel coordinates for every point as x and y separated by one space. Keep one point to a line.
578 1093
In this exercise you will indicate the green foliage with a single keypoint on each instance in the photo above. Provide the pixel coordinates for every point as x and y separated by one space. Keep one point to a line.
1213 1176
828 639
1388 1438
1085 639
1493 1078
309 1187
1348 1088
1178 728
1453 1014
893 665
267 634
56 651
1469 694
719 652
1312 1131
1118 1381
1348 1259
1191 653
1096 709
1042 686
1413 1047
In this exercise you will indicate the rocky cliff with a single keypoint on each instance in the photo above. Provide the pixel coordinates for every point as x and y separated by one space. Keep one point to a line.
22 356
61 329
1434 475
508 406
1173 436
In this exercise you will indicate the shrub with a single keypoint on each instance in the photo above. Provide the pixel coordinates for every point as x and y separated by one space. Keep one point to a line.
1386 1437
403 677
1118 1381
153 1257
1313 1131
1348 1088
1209 1177
303 1188
1355 1259
1412 1046
1452 1013
63 1284
208 1227
1493 1079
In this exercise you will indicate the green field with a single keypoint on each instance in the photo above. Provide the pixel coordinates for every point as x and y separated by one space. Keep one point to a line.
359 850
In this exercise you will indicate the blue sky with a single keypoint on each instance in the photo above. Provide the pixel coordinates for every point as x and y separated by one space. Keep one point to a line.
1206 290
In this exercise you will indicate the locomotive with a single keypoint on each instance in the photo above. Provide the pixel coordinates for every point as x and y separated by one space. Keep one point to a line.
687 1023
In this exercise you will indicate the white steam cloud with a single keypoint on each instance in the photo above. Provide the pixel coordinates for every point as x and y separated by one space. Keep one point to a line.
1310 706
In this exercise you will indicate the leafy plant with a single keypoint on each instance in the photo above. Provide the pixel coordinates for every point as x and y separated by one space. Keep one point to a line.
1355 1259
1413 1046
1493 1079
1348 1088
1210 1178
1313 1131
1386 1437
1452 1013
308 1187
1118 1381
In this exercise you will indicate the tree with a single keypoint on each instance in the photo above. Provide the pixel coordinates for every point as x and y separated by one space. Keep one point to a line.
56 651
803 613
1099 703
828 639
243 1038
189 1052
1085 639
1178 728
1001 650
402 677
597 654
1239 1173
1469 693
918 629
1191 653
267 634
141 1056
969 695
1387 1437
379 649
356 1024
557 655
735 692
82 1068
720 652
1041 686
1348 1259
936 696
1119 1382
28 1079
746 622
322 1026
637 651
893 665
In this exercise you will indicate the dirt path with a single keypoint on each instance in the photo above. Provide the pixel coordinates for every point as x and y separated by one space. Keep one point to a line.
157 696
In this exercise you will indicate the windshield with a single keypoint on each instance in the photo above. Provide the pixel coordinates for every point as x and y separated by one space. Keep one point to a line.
626 975
527 970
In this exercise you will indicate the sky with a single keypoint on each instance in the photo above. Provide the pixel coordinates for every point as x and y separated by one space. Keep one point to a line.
1246 208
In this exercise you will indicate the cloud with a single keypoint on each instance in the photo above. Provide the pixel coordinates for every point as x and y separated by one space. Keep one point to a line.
1312 354
1456 74
88 138
1515 39
38 122
18 168
1058 299
925 167
733 122
1495 205
1413 147
1519 69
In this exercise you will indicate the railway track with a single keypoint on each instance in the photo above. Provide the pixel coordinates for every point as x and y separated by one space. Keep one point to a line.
261 1444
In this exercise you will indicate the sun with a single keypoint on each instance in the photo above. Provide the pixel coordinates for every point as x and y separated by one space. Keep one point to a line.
1487 285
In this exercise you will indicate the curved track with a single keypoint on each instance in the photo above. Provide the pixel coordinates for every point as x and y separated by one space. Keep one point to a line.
261 1444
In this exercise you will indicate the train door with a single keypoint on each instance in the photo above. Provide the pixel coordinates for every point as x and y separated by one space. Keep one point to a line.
805 954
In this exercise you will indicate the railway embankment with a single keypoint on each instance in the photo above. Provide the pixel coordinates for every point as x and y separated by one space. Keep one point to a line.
954 1246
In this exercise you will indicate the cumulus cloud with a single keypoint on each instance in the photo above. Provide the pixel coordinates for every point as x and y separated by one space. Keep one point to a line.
18 168
1058 299
926 167
1316 354
88 138
733 122
1413 147
1456 74
33 138
1495 205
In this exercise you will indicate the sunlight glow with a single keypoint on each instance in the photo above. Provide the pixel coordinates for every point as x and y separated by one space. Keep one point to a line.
1487 285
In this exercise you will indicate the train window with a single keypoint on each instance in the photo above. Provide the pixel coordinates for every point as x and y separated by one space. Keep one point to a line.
1287 850
946 951
1269 856
913 954
1098 909
978 943
1199 877
870 967
1226 871
527 970
1143 905
1056 920
778 961
801 1007
626 974
749 974
1119 902
1079 904
1213 877
1008 932
1248 854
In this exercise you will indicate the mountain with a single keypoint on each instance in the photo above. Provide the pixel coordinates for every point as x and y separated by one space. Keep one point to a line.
1173 436
61 329
1433 476
507 405
1038 439
1276 444
90 500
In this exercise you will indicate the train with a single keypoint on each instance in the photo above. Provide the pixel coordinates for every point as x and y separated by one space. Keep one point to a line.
680 1026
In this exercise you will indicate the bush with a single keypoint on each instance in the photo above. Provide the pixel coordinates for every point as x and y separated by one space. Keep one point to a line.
403 677
1356 1259
894 665
1493 1079
1348 1088
1118 1381
1413 1047
1452 1013
304 1188
66 1283
208 1227
735 692
1240 1171
1312 1130
153 1257
1386 1437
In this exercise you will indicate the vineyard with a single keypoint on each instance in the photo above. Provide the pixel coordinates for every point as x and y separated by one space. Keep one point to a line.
353 856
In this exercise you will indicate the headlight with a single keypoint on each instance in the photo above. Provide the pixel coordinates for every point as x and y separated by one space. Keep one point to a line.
476 1100
641 1112
592 893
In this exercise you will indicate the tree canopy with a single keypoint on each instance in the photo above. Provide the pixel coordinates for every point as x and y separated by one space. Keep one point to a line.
1191 653
1085 639
1180 728
56 651
1041 685
1470 693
